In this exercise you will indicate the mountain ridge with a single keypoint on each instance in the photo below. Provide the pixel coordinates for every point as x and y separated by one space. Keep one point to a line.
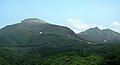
34 27
22 33
100 36
47 44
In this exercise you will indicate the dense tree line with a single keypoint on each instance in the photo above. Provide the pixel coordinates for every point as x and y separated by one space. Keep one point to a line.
70 54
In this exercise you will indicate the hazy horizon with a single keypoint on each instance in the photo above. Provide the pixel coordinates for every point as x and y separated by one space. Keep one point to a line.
78 15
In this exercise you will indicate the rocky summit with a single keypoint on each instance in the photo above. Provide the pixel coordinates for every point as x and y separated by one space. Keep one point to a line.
33 20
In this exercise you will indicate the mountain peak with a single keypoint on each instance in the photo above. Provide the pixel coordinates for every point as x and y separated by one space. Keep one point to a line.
33 20
94 29
100 36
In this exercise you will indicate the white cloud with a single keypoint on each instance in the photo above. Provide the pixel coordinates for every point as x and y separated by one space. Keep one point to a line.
78 26
115 24
74 23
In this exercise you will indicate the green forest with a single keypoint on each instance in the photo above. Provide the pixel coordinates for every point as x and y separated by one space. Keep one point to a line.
80 54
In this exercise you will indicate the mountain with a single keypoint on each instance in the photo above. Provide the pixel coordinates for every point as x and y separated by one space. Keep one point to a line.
100 36
33 31
36 42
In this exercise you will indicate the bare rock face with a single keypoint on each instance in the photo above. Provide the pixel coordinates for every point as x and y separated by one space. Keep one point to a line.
33 20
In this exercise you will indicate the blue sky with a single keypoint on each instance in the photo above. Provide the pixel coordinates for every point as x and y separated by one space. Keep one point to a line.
79 15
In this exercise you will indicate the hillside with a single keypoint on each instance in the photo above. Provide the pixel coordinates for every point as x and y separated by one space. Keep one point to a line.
31 32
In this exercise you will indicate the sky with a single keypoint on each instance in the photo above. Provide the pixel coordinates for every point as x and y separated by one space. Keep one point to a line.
78 15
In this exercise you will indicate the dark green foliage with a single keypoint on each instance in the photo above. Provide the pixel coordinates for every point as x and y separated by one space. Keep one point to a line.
102 54
73 60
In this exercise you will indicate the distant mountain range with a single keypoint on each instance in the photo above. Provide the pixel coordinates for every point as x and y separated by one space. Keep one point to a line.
100 36
36 42
32 31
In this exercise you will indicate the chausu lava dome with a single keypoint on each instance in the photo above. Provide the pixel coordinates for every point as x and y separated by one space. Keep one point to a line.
33 20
